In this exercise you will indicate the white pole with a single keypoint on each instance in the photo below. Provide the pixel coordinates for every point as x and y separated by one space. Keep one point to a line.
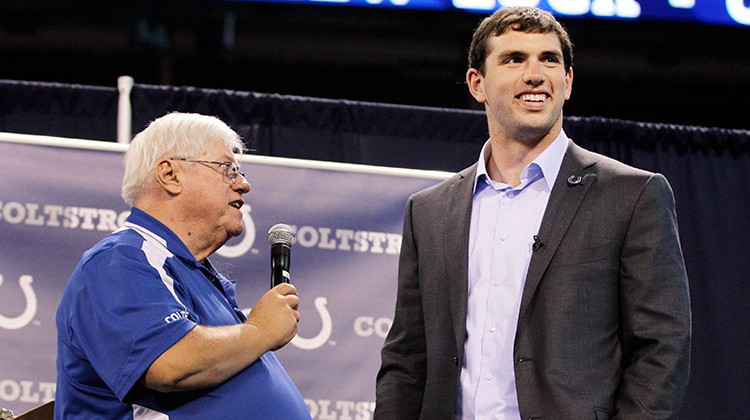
124 113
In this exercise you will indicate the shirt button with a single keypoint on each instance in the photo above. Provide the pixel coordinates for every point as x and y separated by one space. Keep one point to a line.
493 329
488 377
511 194
496 284
503 237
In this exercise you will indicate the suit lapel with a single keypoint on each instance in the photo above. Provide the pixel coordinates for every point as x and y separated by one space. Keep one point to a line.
457 221
567 194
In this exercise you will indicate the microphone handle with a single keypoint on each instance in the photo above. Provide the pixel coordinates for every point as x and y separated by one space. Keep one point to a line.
280 256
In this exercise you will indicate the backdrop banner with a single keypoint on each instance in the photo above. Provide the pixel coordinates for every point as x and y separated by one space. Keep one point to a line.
58 201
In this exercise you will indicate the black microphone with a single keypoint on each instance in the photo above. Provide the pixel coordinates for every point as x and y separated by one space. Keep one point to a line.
536 246
281 238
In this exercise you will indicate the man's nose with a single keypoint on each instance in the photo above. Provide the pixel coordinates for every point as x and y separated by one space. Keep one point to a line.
534 73
241 184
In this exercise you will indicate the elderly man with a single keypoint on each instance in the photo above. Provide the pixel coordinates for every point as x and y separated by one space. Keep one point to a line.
147 328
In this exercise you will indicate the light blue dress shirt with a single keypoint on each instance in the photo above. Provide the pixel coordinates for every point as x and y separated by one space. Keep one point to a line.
504 220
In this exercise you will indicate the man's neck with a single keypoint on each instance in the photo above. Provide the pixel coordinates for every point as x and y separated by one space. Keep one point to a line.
510 156
189 231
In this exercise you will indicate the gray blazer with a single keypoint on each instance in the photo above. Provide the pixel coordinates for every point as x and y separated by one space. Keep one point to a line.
604 325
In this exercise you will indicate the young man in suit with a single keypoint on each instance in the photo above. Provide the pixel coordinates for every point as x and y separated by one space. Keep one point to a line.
544 281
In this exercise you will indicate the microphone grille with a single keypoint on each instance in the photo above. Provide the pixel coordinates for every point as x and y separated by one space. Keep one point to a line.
281 233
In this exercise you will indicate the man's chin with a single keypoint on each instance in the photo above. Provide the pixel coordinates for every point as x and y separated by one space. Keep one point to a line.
534 131
235 232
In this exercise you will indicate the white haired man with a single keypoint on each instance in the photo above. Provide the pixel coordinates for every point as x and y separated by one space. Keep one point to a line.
147 328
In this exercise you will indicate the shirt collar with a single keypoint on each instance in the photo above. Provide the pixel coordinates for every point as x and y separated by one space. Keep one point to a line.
166 236
174 244
549 161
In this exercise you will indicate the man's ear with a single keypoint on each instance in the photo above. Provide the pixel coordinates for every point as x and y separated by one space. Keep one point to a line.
568 83
169 176
475 81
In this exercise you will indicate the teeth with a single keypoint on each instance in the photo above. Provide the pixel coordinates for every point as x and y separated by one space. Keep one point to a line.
235 205
535 97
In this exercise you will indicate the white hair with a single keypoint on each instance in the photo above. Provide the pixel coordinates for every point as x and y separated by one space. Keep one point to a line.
174 134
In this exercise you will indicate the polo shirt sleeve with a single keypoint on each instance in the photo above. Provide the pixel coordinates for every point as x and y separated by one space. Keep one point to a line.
127 314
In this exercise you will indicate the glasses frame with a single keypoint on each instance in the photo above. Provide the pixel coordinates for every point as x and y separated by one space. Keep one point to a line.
231 169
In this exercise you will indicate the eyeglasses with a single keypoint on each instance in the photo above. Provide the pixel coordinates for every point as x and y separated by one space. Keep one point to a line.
231 169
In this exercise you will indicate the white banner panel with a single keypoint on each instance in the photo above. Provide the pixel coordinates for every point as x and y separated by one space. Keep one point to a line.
59 196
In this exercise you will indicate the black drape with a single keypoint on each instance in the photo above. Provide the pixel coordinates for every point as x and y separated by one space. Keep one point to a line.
55 109
708 168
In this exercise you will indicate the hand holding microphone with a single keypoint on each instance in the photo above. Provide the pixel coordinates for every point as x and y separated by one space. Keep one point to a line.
276 312
276 315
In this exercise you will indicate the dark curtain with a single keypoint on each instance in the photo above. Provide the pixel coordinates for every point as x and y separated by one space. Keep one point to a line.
709 170
331 130
55 109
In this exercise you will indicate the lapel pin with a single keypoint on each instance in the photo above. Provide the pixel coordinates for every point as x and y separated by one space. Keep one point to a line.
574 180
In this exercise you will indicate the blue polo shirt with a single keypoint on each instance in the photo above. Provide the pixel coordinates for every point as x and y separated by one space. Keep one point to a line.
134 295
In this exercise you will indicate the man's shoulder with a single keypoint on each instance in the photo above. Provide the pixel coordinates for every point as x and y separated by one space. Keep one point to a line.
113 258
620 179
606 167
119 244
447 186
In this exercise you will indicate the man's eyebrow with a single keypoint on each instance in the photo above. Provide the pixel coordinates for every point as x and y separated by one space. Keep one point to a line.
552 52
511 53
520 53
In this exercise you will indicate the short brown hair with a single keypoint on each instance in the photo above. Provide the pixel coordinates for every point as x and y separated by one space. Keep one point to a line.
521 19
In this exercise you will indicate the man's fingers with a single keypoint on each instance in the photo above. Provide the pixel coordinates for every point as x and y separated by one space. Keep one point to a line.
292 301
285 289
